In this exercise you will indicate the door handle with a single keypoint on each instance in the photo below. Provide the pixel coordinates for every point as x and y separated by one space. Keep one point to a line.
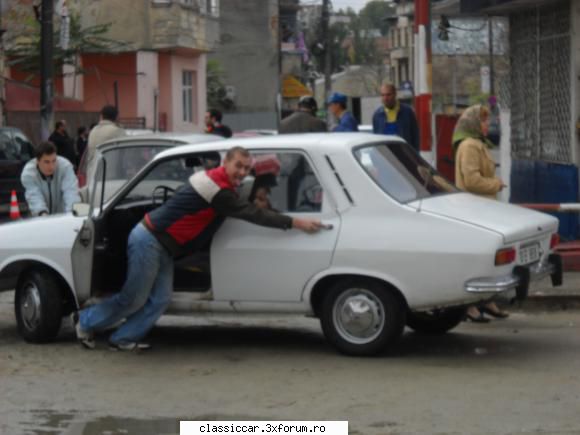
85 236
326 226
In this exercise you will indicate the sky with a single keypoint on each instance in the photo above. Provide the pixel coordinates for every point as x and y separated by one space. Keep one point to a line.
357 5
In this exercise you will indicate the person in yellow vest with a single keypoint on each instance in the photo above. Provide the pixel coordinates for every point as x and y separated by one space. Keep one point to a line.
394 117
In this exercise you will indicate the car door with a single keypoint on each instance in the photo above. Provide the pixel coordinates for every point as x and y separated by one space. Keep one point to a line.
258 264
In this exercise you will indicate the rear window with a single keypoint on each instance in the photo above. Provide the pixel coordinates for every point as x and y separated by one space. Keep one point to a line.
401 172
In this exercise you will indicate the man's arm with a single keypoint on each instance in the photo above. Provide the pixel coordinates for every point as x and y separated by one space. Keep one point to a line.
70 188
226 203
33 194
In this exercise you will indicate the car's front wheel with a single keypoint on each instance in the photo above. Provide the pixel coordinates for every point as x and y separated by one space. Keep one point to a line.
362 317
435 322
38 306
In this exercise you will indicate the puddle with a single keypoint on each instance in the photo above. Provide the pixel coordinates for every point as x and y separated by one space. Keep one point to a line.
125 426
79 423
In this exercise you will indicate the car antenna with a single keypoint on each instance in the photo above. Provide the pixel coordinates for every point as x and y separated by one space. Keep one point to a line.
427 180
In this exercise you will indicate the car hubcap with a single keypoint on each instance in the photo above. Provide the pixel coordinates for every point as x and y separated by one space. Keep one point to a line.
359 316
30 306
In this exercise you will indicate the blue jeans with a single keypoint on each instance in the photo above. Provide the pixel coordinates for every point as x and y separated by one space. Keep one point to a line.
144 296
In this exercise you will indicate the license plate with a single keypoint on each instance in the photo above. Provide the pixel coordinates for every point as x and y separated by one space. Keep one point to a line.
530 253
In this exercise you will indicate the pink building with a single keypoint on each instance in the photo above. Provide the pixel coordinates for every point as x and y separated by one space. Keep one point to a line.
160 72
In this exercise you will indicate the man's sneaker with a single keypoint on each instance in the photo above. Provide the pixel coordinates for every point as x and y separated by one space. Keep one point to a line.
85 338
129 347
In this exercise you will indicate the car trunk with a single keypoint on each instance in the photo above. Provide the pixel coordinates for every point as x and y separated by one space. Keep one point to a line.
512 222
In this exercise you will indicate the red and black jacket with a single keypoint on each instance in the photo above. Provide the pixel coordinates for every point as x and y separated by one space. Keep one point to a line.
189 219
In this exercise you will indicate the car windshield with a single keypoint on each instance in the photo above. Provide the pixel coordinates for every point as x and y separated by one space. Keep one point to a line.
401 172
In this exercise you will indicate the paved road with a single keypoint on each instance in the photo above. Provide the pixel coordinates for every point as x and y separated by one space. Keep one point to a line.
518 376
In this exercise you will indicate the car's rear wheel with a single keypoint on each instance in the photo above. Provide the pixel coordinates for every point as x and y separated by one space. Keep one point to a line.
362 317
435 322
38 306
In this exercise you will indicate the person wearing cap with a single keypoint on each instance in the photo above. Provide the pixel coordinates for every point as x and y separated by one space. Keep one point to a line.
304 120
337 105
394 117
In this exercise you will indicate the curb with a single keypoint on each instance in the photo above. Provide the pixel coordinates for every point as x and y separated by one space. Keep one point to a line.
546 303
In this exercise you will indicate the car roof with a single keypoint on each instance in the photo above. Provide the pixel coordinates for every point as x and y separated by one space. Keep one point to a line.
167 139
321 142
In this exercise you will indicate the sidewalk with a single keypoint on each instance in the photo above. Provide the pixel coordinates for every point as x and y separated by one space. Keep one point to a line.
543 296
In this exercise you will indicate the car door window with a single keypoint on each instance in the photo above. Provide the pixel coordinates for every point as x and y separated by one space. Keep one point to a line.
25 148
164 178
283 181
122 164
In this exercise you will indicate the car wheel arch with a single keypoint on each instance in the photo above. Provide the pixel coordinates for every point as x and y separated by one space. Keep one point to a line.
21 268
325 283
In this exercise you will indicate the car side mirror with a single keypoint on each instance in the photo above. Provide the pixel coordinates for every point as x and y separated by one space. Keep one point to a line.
81 209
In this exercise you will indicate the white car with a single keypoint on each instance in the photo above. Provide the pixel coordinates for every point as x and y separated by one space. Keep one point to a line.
402 245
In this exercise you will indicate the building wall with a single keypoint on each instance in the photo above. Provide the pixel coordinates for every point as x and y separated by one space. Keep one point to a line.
165 105
197 66
147 85
101 73
248 55
150 24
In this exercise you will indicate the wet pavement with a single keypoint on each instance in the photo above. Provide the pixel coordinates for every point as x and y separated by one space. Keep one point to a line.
515 376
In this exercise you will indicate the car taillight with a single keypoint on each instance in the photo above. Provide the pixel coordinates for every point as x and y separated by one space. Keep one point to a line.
555 240
505 256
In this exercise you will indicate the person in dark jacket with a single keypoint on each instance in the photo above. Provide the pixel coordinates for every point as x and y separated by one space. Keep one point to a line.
396 118
82 140
304 120
63 142
337 105
213 124
183 225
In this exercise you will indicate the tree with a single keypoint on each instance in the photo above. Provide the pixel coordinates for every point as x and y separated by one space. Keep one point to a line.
23 49
216 92
373 15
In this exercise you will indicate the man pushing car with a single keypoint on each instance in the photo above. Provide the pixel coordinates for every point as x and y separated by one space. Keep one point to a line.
184 224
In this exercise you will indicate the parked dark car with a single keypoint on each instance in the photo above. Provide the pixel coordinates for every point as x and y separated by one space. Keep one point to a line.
15 150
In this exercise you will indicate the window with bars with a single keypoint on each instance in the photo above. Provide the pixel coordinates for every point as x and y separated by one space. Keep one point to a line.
187 95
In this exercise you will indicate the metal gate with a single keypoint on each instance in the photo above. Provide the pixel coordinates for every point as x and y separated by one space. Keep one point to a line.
540 83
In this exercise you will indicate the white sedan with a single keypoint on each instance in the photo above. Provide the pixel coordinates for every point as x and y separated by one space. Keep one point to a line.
402 245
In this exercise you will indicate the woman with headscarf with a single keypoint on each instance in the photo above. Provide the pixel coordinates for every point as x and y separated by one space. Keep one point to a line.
475 173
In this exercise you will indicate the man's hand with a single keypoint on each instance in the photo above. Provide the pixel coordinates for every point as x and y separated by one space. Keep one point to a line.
307 225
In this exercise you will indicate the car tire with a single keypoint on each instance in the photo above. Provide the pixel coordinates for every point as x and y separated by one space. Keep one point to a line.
435 322
38 306
362 317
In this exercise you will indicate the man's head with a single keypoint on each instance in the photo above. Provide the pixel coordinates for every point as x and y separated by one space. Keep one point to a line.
82 131
308 104
60 126
46 158
336 103
109 113
212 117
389 95
237 164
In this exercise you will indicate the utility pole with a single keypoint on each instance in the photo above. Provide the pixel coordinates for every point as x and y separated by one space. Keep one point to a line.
46 69
327 54
422 30
490 38
2 68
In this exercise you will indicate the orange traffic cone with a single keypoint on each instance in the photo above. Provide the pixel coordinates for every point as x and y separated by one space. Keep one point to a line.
14 209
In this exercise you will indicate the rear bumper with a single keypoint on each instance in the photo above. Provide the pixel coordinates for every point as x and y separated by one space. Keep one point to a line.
519 280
